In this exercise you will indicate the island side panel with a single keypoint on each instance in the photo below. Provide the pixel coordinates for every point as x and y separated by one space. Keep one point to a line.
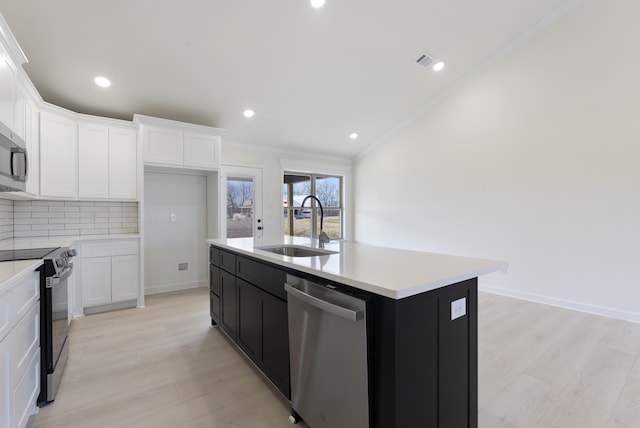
424 363
458 356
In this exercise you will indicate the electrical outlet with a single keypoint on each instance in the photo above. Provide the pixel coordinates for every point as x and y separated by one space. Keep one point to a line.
172 217
458 308
183 266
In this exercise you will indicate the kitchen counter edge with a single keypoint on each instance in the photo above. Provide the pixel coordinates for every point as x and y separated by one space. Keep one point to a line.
11 270
374 278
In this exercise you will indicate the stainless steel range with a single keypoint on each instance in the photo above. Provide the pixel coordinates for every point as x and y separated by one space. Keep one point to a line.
54 319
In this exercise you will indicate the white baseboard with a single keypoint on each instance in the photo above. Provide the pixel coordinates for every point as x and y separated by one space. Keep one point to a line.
165 288
562 303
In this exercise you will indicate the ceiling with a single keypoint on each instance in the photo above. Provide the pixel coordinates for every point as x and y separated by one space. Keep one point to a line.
312 76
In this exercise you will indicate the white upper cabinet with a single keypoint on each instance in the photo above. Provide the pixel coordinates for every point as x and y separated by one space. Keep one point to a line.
201 151
162 146
8 90
123 163
11 99
107 162
179 144
93 168
32 138
58 156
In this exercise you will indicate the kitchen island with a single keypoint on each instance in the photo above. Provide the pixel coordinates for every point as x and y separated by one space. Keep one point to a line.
421 317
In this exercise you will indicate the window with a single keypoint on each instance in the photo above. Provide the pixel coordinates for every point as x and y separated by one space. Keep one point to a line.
306 221
240 206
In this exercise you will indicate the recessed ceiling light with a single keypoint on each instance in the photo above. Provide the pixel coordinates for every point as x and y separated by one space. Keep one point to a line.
353 135
103 82
248 113
438 66
317 4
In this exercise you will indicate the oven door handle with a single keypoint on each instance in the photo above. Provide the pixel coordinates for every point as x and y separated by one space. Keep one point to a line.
55 280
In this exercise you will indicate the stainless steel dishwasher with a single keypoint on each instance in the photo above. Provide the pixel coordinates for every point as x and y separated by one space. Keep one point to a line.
328 352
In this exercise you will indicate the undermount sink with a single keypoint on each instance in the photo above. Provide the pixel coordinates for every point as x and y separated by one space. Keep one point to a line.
296 250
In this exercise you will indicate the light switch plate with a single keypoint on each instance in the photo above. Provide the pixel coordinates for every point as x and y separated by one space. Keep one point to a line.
172 217
458 308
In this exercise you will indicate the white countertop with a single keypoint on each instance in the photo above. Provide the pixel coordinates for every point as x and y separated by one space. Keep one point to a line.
9 270
388 272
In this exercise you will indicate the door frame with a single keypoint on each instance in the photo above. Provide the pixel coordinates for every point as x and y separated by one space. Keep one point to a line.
240 171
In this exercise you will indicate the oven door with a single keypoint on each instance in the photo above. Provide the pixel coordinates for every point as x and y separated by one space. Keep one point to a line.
59 313
54 330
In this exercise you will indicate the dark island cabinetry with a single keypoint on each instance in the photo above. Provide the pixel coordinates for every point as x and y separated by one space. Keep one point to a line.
253 312
422 349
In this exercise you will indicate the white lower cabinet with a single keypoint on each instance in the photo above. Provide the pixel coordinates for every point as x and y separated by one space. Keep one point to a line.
110 272
20 351
5 386
96 281
124 278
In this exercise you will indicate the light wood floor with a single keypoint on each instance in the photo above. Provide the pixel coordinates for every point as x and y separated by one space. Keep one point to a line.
165 367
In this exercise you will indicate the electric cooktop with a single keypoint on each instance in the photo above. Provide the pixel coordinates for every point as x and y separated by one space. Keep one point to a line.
32 253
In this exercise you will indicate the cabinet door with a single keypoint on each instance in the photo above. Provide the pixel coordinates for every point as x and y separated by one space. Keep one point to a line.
214 279
274 358
32 138
123 155
26 392
5 388
19 109
93 167
248 319
200 151
58 156
228 304
163 146
96 281
124 278
25 342
8 89
214 308
6 319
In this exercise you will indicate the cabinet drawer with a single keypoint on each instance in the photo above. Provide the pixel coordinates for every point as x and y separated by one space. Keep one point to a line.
110 248
228 261
214 256
26 293
6 321
269 278
25 341
214 280
26 391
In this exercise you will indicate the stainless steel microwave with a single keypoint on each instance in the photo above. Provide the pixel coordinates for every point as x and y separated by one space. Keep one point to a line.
13 161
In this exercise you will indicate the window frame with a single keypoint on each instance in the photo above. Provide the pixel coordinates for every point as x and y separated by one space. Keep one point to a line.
291 209
338 168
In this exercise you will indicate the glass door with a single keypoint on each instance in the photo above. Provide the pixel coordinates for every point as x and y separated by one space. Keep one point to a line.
242 206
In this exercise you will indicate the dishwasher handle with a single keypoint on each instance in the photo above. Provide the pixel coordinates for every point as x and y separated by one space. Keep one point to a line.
340 311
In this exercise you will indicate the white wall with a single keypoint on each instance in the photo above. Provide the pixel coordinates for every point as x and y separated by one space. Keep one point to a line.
270 161
535 161
168 243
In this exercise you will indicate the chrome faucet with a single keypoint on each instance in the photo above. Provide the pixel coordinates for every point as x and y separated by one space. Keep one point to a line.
322 237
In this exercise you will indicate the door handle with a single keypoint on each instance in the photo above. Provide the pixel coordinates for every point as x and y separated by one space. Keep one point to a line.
347 313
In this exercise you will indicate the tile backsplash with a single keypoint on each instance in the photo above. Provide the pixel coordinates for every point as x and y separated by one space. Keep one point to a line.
57 218
6 219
